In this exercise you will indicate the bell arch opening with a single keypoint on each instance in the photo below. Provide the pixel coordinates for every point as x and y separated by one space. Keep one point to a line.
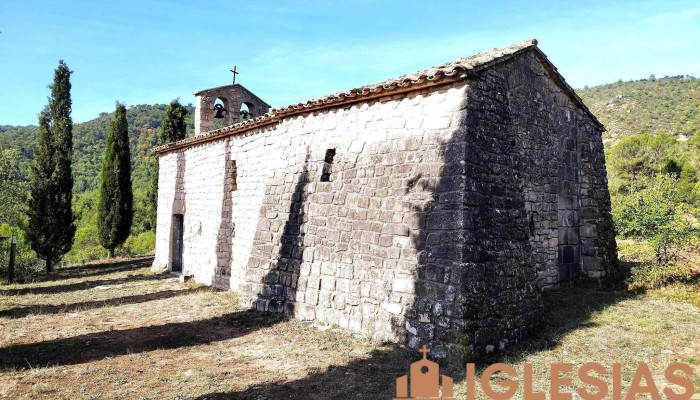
220 113
247 111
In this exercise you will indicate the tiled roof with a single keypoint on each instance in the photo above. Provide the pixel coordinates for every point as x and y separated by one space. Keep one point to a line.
447 72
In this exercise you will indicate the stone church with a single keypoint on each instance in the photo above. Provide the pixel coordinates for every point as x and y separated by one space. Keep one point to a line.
429 209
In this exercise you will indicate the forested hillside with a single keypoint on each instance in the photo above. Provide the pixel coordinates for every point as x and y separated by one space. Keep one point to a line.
653 127
653 158
16 148
89 140
669 104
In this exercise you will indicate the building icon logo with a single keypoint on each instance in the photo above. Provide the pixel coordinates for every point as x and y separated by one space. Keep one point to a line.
424 382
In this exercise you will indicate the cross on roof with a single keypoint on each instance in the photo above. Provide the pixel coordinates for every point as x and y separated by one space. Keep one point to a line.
234 74
425 351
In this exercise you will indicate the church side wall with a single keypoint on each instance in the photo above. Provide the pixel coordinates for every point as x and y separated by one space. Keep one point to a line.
360 250
349 251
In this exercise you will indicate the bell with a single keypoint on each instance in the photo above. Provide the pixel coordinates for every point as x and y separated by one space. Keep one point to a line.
220 111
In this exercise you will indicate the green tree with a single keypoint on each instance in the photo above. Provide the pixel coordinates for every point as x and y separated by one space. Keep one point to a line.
13 189
656 214
636 158
115 205
51 227
174 128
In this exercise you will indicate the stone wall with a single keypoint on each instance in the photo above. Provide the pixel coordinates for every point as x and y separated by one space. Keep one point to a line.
445 212
563 171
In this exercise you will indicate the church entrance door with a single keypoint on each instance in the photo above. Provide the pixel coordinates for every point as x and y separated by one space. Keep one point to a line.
176 243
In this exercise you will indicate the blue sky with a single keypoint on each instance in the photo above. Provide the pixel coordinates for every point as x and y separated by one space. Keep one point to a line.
144 52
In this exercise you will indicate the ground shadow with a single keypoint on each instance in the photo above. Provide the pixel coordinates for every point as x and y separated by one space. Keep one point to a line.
102 267
107 264
99 268
565 311
44 309
71 287
372 378
96 346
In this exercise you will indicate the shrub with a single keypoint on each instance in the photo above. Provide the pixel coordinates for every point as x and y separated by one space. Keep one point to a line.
658 220
27 265
654 275
85 253
656 214
634 158
143 243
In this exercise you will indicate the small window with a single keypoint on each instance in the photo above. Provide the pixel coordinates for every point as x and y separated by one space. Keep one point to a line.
327 164
234 175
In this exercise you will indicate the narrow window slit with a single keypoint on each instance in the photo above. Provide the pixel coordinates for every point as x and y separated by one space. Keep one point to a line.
327 164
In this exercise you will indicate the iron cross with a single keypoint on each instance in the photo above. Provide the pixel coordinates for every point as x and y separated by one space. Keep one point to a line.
234 74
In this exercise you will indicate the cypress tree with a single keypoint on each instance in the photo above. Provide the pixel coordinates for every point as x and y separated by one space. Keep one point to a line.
51 227
115 205
173 128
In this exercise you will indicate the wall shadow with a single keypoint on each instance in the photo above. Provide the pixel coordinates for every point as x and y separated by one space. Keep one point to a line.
71 287
280 283
224 237
96 346
45 309
375 377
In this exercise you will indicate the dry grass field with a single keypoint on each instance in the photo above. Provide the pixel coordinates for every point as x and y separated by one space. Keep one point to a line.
117 331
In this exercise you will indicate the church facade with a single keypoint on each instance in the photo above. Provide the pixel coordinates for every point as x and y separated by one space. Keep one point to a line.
430 209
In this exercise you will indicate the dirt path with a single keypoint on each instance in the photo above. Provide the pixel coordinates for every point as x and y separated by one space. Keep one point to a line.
117 331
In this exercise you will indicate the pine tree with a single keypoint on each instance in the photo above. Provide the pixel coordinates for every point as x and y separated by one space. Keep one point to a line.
115 205
51 227
173 128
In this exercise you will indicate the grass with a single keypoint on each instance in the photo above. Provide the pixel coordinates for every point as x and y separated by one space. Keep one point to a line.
116 330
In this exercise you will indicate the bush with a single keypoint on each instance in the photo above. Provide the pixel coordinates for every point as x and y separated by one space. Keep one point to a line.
84 254
143 243
86 246
655 275
27 265
661 224
656 214
634 158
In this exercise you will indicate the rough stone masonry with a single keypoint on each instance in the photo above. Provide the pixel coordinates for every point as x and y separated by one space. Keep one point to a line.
428 209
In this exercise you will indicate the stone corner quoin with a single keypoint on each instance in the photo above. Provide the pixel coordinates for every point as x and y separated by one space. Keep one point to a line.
435 215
